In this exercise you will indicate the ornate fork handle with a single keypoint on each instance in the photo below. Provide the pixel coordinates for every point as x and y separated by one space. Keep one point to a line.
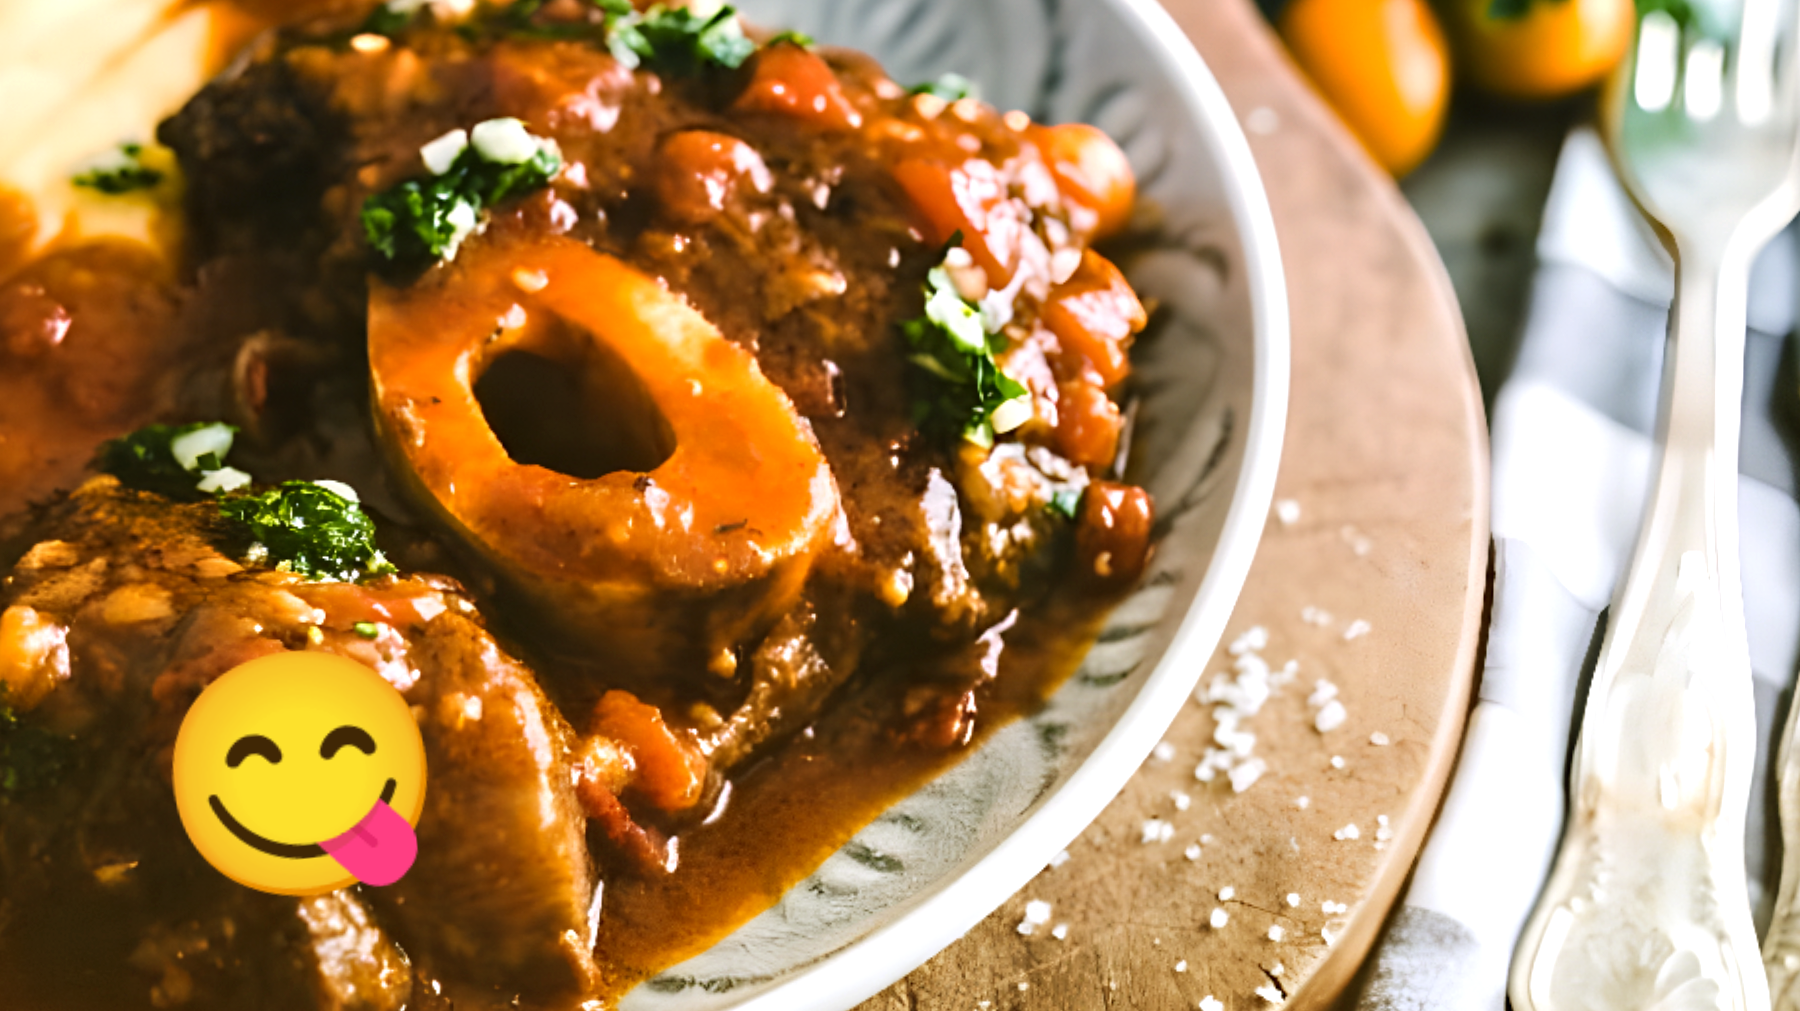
1781 948
1647 907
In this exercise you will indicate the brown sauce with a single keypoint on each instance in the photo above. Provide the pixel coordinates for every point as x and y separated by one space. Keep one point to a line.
792 812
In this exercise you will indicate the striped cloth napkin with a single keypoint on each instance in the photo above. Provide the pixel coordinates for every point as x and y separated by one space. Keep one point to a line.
1573 430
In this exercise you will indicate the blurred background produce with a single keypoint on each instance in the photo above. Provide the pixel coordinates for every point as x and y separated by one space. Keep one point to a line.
1390 67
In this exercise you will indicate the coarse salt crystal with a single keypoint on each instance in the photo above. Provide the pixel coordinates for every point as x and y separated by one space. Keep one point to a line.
1163 752
1192 852
1181 966
1379 739
1293 899
1060 931
1383 831
1219 918
1277 969
1268 992
1207 840
1180 799
1254 639
1330 717
1024 987
1276 933
1315 616
1303 802
1329 935
1356 630
1155 830
1059 859
1349 831
1337 761
1227 893
1323 692
1037 913
1287 511
1246 775
1211 1003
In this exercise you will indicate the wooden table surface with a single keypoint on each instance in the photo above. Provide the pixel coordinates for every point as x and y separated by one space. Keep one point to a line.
1386 459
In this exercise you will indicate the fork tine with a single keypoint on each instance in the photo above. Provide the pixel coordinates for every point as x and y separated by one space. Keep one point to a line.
1657 62
1753 66
1703 80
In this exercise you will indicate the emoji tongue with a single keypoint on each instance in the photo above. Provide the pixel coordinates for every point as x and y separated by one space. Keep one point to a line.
379 850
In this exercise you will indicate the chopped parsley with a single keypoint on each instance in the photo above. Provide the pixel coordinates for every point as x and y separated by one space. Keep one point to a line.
367 629
422 221
390 19
30 756
681 40
949 87
1066 502
959 384
311 528
179 461
517 19
120 171
801 39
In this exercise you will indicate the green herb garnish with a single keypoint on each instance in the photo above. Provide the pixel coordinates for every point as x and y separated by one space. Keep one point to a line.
367 629
681 40
1066 502
422 221
961 387
179 461
516 19
949 87
389 21
311 529
801 39
120 171
30 756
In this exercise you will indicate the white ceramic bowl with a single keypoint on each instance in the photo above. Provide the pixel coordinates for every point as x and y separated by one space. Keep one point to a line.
1214 377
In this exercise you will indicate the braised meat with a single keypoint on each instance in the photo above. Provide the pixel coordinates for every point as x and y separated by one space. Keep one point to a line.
802 228
120 608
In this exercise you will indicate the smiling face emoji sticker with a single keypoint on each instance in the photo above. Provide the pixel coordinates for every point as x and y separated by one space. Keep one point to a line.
301 773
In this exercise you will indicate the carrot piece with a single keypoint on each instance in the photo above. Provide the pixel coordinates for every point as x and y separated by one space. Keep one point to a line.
794 81
970 198
1112 539
669 773
703 172
1092 173
1087 425
1094 315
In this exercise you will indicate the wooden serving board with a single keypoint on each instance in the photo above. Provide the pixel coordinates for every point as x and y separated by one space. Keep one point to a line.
1386 458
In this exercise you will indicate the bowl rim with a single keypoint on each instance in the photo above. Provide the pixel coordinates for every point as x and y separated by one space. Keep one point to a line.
953 906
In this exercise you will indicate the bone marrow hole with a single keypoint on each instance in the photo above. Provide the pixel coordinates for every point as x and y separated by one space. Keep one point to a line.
567 403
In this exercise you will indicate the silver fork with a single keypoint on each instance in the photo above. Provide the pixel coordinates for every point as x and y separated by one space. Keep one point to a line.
1647 907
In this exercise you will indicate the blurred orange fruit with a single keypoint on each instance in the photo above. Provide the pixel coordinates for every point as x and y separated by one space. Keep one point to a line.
1382 64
